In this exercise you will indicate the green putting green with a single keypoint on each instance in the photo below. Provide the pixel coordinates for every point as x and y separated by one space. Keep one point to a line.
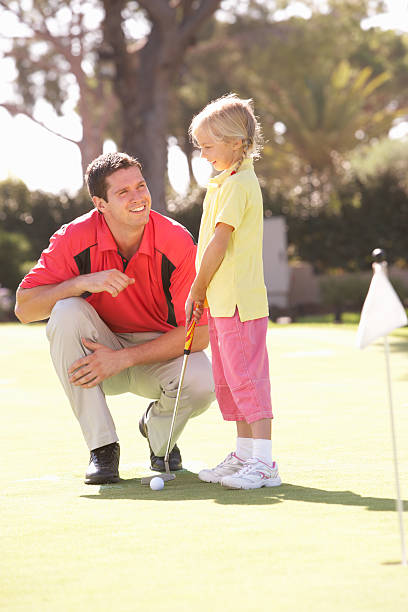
327 540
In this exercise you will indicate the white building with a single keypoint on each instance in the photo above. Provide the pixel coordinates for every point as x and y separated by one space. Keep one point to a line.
276 268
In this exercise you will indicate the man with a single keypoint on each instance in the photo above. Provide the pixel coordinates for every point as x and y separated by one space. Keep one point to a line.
113 284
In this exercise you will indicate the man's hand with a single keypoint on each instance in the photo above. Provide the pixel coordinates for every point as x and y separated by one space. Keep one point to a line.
102 363
36 304
113 281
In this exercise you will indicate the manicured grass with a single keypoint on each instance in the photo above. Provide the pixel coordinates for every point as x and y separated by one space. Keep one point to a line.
347 317
327 540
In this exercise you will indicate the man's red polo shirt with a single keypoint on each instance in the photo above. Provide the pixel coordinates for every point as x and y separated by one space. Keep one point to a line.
163 269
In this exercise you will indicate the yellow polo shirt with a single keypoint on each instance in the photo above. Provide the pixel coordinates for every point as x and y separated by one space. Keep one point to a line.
239 282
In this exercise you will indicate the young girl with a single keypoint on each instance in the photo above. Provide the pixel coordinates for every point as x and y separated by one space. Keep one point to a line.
230 281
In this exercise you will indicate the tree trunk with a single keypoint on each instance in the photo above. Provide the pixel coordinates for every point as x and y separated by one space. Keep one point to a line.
338 314
90 146
145 118
143 77
142 89
149 143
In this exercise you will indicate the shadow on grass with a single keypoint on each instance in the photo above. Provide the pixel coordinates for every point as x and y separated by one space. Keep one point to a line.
395 347
398 343
186 486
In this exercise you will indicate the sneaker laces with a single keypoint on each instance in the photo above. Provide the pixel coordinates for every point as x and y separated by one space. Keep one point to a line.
227 460
247 467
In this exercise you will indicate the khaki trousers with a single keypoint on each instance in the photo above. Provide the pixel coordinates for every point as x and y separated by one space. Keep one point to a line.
72 318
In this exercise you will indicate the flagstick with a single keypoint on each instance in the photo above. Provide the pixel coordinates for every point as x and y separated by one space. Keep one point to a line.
394 444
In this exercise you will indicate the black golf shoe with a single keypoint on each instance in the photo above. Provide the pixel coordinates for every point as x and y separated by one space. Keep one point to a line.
103 465
157 463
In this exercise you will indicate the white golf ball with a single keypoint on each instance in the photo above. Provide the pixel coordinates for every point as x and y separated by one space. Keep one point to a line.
156 483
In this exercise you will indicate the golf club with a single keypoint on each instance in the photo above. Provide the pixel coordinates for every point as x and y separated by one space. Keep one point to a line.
187 350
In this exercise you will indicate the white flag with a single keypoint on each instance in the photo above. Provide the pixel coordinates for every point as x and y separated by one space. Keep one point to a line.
382 310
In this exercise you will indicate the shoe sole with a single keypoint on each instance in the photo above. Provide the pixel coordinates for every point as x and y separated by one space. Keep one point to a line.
213 479
210 480
275 482
99 481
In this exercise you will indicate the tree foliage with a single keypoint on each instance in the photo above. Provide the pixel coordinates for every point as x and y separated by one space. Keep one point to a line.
55 57
37 215
372 213
326 92
317 94
123 74
141 70
144 73
15 251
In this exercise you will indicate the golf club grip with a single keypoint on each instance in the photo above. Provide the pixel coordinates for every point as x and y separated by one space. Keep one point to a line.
189 336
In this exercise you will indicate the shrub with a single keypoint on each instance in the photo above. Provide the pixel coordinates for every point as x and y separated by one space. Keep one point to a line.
345 291
348 291
14 252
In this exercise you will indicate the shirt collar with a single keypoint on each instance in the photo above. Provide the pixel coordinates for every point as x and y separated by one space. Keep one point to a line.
106 241
218 180
147 245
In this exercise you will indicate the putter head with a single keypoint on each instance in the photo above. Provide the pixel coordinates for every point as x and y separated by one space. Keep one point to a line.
165 477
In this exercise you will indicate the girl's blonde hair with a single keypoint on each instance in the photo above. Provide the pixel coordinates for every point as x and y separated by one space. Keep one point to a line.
227 119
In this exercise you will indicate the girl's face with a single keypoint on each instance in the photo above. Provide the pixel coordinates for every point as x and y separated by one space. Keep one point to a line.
222 155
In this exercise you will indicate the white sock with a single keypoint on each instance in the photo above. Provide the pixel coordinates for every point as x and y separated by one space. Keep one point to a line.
262 449
244 448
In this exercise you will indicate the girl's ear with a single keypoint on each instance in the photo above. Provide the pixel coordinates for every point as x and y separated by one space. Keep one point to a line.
99 203
237 144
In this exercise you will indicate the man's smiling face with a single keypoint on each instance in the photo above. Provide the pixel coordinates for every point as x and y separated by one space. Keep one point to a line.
128 199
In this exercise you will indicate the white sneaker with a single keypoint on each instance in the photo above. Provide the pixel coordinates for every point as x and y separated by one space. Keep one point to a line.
230 465
254 474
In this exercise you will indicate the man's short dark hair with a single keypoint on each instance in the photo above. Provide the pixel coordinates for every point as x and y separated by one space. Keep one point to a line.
102 167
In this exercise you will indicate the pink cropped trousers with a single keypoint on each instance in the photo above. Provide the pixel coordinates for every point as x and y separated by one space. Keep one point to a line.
241 368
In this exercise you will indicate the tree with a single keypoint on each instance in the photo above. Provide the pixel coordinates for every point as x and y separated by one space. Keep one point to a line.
316 89
55 54
326 114
320 84
326 104
144 74
123 79
14 253
372 213
37 215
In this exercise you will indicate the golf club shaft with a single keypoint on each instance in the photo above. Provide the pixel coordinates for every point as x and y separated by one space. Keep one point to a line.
187 351
173 420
